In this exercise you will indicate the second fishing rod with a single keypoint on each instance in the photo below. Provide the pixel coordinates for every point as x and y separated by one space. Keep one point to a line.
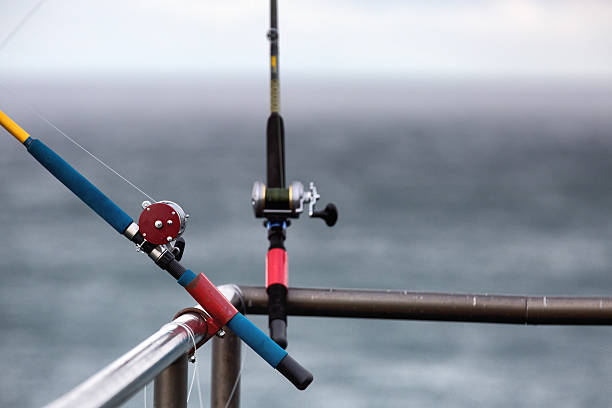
277 203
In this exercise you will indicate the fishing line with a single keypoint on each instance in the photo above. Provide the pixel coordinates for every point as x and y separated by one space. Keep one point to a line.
22 23
199 387
94 156
196 372
195 363
31 108
3 44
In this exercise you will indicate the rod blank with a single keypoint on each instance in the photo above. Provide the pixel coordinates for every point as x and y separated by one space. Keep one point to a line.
13 128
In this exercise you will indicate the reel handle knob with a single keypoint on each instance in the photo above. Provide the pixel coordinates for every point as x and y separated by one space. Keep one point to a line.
329 214
179 248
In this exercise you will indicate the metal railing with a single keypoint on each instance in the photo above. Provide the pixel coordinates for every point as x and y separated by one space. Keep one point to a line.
131 372
163 356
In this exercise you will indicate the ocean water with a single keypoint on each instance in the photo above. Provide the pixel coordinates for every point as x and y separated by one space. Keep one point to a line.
462 186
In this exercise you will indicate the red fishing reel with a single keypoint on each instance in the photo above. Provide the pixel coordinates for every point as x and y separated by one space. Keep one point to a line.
162 222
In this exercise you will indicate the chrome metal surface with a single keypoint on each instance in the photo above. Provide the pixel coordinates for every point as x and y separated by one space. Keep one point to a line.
296 192
258 198
131 231
278 211
311 198
181 214
157 253
124 377
233 293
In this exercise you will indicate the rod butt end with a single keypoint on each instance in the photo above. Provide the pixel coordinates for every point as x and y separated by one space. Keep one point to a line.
294 372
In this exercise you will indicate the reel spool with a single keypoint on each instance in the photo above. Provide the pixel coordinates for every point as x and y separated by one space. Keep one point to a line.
162 222
289 202
277 201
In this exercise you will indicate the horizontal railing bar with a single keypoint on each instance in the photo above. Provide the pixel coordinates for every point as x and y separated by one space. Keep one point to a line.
127 375
131 372
388 304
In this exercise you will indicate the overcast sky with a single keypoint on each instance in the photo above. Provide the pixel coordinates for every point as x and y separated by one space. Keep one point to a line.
340 37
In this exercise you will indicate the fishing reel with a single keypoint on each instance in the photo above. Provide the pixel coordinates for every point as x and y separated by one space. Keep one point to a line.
290 202
163 223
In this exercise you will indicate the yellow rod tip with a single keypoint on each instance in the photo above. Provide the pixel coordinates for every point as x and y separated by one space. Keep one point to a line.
13 128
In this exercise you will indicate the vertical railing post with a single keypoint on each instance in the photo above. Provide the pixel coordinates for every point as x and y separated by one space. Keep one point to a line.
225 382
171 385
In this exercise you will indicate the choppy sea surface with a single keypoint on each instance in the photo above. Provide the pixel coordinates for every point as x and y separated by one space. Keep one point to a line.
473 186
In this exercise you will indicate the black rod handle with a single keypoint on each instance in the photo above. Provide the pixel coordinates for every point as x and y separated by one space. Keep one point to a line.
294 372
277 314
278 332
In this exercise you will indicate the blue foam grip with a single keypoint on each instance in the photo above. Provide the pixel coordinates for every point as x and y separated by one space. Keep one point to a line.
256 339
80 186
186 278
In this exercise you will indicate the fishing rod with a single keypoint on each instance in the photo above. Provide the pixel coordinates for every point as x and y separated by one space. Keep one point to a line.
277 203
158 234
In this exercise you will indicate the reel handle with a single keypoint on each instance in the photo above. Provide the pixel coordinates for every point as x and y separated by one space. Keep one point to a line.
329 214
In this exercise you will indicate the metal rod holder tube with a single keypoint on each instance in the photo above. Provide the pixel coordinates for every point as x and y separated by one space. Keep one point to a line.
225 371
171 385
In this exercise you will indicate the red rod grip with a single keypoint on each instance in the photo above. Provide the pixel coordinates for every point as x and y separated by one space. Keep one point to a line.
277 268
213 301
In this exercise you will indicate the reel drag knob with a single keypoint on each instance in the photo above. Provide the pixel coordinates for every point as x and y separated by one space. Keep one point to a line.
162 222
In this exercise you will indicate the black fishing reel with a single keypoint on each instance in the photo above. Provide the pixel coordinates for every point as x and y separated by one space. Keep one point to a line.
290 202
